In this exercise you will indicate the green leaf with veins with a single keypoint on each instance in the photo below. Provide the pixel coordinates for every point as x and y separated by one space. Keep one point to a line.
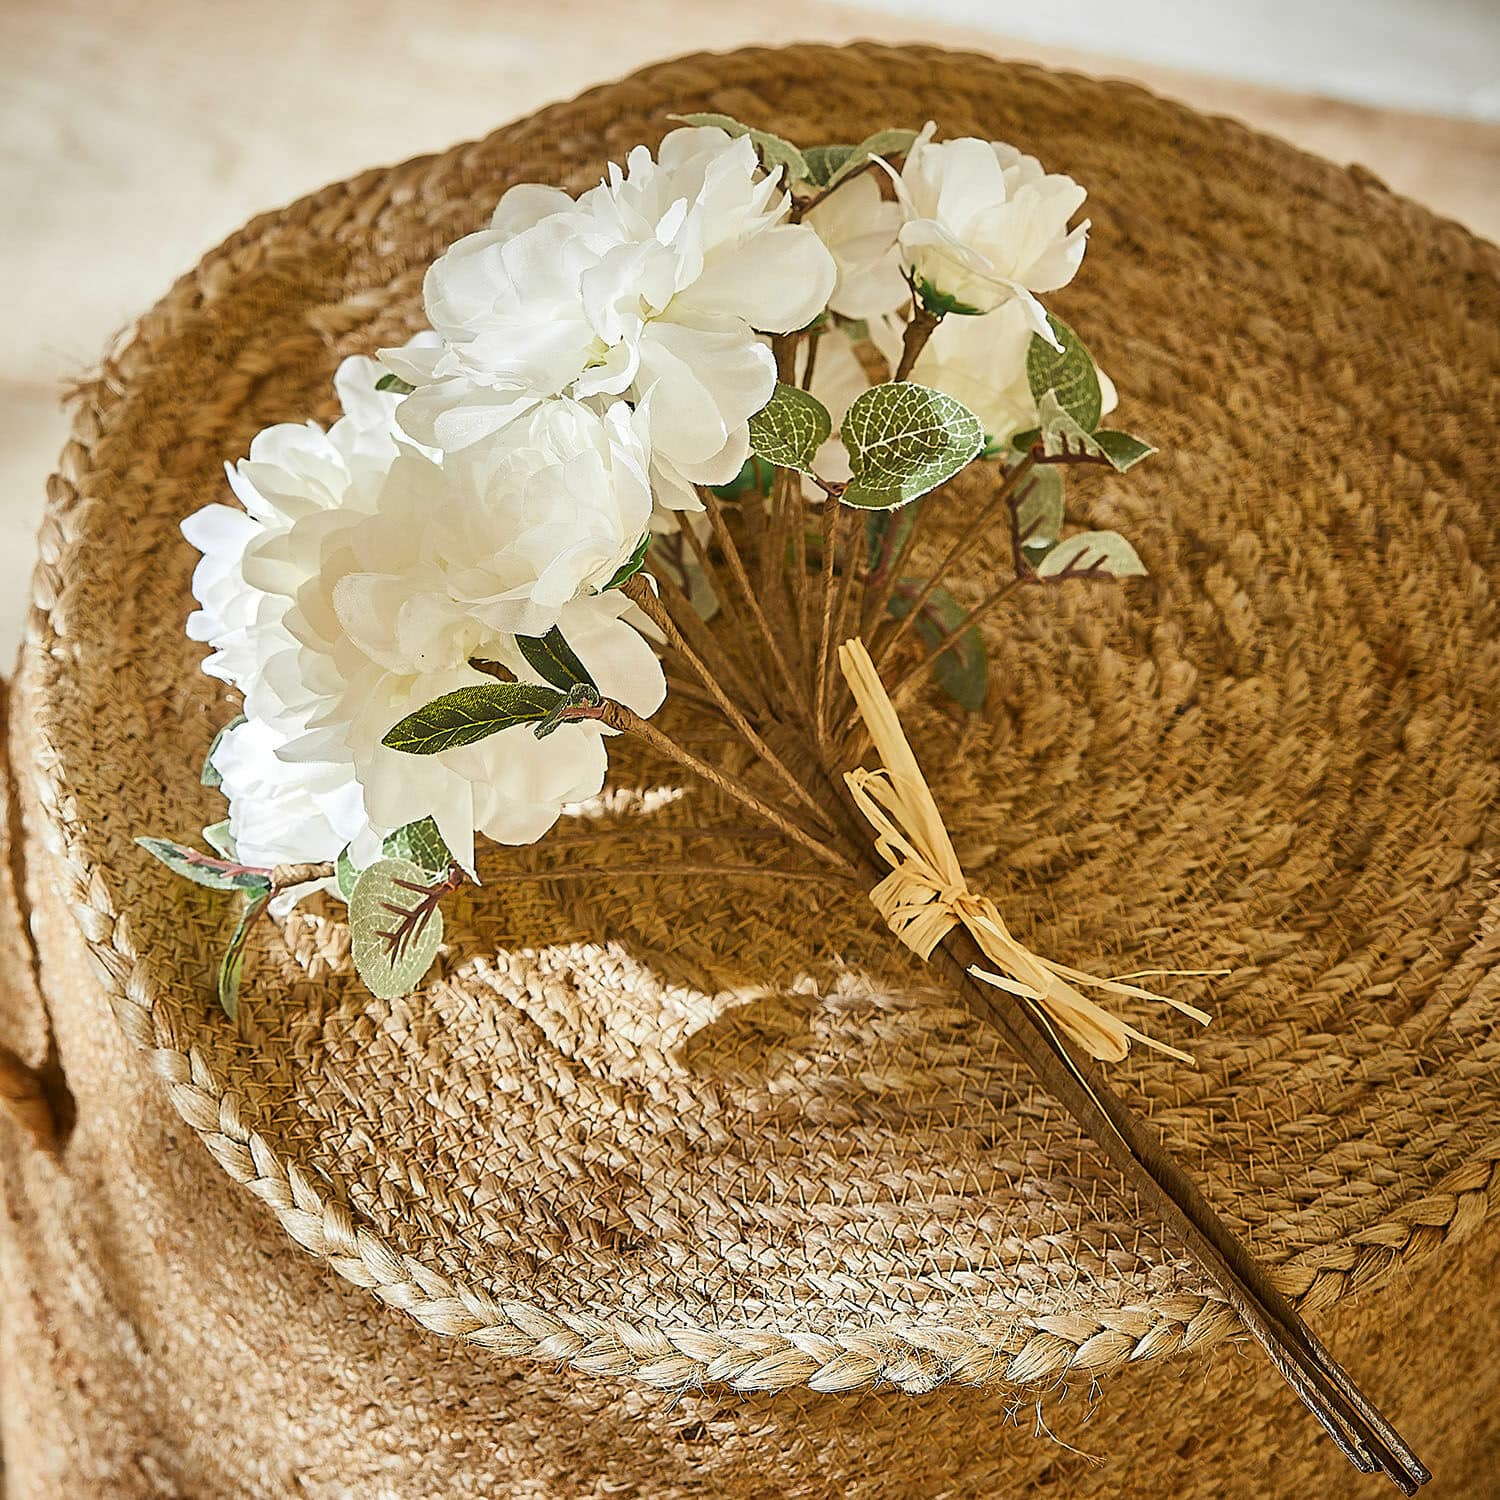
1100 554
1122 449
553 659
204 869
904 440
790 428
962 671
232 965
830 165
469 715
774 150
422 844
392 950
210 776
1068 373
631 566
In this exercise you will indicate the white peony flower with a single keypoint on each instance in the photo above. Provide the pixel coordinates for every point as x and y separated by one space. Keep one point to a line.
985 224
859 227
651 287
982 362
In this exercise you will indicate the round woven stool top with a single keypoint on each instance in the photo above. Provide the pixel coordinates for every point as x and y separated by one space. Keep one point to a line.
680 1129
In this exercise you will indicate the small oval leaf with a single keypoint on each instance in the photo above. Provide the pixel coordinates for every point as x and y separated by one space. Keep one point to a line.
1039 512
904 440
419 842
346 872
790 428
552 658
1091 554
962 671
471 714
1122 449
395 926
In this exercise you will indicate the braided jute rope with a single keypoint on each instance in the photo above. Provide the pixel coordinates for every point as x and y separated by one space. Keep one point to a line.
689 1133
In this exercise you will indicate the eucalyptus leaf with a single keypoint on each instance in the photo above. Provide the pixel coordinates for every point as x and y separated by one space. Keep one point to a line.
823 161
232 965
390 382
471 714
1039 513
422 844
1122 449
904 440
552 658
392 951
1068 373
218 838
346 872
790 428
204 869
1099 554
210 776
962 671
774 150
632 565
828 166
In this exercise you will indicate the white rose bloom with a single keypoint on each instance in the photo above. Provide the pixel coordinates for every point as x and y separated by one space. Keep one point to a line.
859 227
985 224
982 362
650 287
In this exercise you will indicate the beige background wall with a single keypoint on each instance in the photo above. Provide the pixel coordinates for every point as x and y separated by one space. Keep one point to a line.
135 135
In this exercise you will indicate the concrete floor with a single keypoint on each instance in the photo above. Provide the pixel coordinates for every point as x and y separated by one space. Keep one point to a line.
135 134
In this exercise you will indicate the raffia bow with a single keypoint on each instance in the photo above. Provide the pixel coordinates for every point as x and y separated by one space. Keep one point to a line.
926 895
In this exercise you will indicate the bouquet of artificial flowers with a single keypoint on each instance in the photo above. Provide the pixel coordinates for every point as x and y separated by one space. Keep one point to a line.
675 437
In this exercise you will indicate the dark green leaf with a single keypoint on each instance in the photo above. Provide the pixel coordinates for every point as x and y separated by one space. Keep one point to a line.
422 844
389 382
469 715
580 698
1068 373
904 440
790 428
632 565
232 965
1121 449
962 671
204 869
382 896
553 659
211 775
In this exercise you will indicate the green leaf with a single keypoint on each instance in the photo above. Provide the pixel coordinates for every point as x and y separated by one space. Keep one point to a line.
755 475
632 565
962 671
940 303
421 843
1061 435
1121 449
904 440
232 965
210 776
774 150
1097 554
204 869
828 165
552 658
1069 374
382 894
1039 514
389 382
469 715
346 872
790 428
218 838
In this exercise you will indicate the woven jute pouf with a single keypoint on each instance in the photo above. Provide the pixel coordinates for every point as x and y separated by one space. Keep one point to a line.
661 1187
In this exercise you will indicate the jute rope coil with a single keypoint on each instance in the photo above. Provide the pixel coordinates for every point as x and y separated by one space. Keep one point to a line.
1277 754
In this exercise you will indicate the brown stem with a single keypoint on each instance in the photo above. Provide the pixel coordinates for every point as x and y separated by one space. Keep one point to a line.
831 509
705 654
618 717
283 877
918 331
727 871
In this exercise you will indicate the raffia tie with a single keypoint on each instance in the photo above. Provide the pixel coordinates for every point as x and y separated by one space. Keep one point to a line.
926 895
